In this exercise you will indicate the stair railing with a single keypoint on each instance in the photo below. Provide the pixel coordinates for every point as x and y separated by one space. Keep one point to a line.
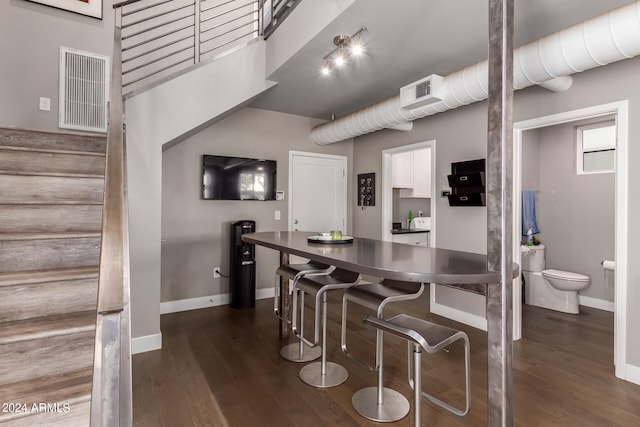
162 38
111 394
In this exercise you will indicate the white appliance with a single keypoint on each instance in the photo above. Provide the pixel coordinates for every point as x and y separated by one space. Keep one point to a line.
422 223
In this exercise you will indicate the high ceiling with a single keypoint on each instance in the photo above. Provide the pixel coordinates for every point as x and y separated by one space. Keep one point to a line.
405 41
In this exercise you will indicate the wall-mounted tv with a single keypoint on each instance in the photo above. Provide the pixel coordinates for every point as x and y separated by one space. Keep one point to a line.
238 178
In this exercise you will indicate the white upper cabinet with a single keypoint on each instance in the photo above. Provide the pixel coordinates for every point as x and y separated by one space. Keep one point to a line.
411 172
422 173
402 170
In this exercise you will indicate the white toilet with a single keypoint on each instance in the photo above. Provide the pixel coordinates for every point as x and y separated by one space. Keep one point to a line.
553 289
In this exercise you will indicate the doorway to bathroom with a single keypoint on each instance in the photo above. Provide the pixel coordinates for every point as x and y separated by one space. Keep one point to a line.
524 133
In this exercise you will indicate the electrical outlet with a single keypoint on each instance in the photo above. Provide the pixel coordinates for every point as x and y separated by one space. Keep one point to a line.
277 216
216 272
45 104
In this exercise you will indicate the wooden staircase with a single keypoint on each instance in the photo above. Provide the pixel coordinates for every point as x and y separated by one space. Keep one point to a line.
51 195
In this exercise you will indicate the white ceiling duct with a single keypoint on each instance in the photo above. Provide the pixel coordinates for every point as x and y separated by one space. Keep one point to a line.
548 62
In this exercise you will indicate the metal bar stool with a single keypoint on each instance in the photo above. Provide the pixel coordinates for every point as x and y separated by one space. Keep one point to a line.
430 337
321 374
297 352
378 403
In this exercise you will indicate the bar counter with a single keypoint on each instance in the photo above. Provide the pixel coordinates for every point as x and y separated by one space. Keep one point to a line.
387 260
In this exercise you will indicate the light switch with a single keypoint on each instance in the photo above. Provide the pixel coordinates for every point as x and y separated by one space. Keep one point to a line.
45 104
277 215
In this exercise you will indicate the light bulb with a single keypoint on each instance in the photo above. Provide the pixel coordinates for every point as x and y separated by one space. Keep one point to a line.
326 69
357 48
339 60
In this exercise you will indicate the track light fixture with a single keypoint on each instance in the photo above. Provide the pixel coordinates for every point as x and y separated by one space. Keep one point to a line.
346 47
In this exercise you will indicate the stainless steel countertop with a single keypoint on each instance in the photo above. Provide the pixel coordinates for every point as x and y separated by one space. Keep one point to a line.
386 259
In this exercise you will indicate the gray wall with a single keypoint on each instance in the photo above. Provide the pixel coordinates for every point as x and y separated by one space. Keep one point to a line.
465 228
402 206
29 47
456 228
575 212
194 231
531 161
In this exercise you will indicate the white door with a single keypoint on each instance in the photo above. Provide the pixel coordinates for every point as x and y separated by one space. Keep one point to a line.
317 192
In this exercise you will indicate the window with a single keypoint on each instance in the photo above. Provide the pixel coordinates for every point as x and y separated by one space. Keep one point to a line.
597 148
252 186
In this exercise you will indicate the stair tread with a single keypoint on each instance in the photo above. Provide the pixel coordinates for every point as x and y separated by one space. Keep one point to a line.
43 236
49 202
55 174
54 275
41 327
51 150
52 141
71 387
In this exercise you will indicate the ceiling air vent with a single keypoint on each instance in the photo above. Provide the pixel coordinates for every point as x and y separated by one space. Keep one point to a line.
422 92
84 90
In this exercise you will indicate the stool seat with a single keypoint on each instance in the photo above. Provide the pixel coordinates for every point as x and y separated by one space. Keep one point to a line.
430 337
376 295
337 279
289 271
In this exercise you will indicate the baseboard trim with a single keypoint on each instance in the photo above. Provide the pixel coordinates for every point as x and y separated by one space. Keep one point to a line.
600 304
264 293
459 316
146 343
177 306
633 374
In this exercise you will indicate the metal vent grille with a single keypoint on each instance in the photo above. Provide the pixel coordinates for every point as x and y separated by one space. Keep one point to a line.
423 89
84 89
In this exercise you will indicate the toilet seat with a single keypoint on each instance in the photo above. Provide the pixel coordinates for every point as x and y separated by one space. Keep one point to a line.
565 275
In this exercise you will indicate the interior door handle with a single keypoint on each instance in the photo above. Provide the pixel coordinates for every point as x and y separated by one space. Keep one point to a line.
295 221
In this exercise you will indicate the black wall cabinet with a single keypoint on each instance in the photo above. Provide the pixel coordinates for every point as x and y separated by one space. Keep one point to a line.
467 182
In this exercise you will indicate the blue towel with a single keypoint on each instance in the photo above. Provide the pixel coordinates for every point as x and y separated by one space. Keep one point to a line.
529 212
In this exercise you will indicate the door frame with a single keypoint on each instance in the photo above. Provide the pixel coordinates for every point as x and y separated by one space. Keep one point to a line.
621 111
387 189
292 154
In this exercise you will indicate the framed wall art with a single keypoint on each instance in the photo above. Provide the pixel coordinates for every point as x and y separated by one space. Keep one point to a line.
366 189
92 8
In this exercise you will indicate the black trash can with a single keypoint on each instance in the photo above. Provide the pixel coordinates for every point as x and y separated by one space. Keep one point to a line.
242 277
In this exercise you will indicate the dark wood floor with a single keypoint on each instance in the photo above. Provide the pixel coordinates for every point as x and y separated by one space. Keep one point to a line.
221 366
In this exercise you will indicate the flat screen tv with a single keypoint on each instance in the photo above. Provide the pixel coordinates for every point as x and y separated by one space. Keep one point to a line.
238 178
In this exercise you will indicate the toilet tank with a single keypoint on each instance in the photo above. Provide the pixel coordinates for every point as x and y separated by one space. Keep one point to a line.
532 258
